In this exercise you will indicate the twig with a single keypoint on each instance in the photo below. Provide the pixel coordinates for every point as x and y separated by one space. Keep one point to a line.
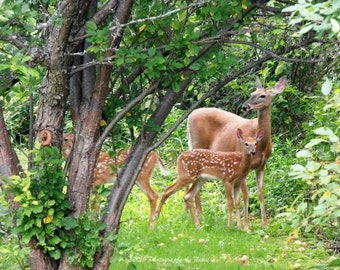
162 16
122 113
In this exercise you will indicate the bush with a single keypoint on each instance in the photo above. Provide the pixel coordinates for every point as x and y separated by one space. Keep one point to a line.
319 167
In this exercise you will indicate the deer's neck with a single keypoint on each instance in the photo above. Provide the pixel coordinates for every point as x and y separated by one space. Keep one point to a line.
245 163
264 122
264 119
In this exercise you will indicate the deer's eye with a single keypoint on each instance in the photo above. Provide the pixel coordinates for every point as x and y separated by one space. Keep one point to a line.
246 144
262 96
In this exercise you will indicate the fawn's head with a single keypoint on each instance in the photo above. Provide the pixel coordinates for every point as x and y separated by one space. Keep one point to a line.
67 144
249 143
261 98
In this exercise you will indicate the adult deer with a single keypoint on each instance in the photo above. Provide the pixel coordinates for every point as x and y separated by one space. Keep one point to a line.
230 167
215 129
107 168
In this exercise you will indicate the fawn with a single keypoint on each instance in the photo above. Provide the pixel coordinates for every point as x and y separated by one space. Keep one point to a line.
107 168
231 167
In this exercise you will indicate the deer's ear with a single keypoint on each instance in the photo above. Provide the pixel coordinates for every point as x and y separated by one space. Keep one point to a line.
240 133
259 134
258 83
279 86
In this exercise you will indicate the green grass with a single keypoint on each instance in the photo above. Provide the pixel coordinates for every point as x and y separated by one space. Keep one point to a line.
175 243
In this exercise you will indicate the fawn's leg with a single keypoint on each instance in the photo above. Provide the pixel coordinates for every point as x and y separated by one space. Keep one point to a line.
167 193
189 199
229 195
152 197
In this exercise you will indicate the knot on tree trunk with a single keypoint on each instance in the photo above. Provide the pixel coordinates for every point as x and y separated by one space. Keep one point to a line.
45 137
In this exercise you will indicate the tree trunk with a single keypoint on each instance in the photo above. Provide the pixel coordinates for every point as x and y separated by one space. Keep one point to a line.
8 158
9 164
54 93
122 187
88 113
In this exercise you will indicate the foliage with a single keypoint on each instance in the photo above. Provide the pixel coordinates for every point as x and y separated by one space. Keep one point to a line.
43 208
19 76
175 242
160 50
318 210
12 254
321 17
81 235
42 201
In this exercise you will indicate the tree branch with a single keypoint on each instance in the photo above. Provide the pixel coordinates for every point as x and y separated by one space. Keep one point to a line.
123 112
222 83
162 16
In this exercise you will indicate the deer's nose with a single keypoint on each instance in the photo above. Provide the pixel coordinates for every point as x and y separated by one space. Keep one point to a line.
246 107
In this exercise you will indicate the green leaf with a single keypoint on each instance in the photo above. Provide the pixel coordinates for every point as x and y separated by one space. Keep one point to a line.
334 263
291 8
38 222
152 52
195 66
306 29
159 60
333 138
56 254
70 223
333 166
26 237
54 240
301 207
326 87
314 142
325 131
37 208
91 25
131 266
303 154
324 180
50 212
298 167
312 166
335 25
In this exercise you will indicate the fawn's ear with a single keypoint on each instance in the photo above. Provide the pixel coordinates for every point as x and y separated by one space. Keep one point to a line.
259 134
240 133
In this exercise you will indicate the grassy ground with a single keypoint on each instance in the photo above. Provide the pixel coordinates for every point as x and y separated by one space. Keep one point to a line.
176 244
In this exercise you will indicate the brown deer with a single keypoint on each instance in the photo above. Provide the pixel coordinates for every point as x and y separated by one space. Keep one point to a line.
231 167
107 168
215 129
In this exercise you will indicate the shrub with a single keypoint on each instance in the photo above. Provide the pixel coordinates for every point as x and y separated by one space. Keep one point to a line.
319 167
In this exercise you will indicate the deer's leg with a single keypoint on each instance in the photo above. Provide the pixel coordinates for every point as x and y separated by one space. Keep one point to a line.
167 193
259 183
229 195
152 197
198 203
189 201
197 186
237 188
245 202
